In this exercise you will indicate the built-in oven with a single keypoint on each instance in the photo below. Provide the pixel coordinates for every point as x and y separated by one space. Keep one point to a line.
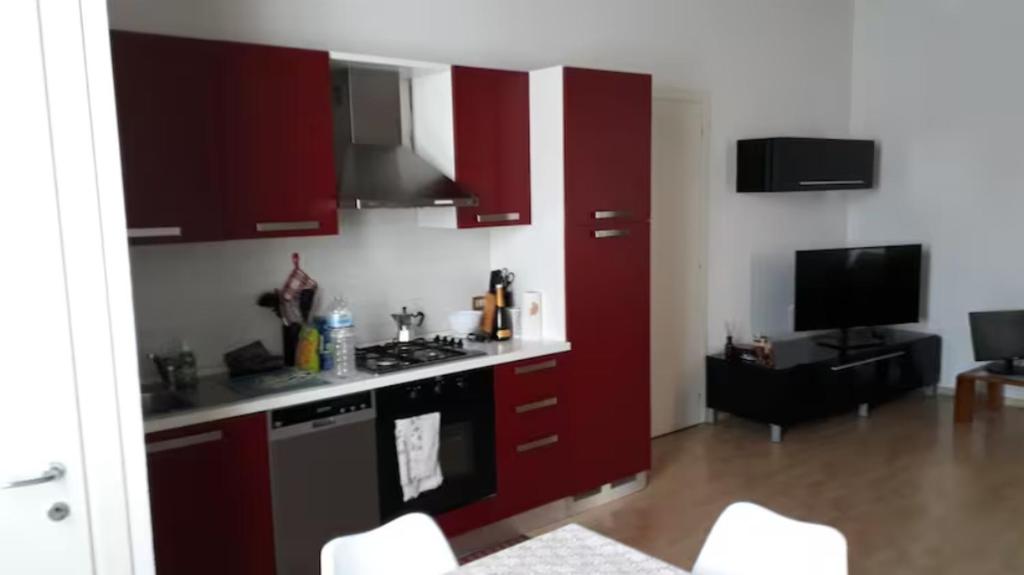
466 452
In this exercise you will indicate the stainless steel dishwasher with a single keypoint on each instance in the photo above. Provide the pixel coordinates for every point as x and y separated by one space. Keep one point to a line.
323 464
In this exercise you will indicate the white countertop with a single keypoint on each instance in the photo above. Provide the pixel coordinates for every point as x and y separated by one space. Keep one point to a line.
570 550
228 404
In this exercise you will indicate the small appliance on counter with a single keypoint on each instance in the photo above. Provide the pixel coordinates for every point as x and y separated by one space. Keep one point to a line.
406 322
396 356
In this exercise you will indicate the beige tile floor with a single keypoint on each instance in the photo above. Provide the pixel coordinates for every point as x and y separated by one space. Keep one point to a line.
911 492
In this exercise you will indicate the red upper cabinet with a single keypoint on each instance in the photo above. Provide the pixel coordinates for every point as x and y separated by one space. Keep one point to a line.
221 140
167 111
491 115
278 174
607 146
209 491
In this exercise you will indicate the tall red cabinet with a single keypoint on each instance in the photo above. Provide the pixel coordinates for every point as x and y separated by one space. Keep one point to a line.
607 143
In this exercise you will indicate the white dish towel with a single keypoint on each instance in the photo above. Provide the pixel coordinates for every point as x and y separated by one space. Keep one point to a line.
417 440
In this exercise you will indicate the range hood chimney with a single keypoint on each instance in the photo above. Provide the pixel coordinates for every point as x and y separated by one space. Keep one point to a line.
375 169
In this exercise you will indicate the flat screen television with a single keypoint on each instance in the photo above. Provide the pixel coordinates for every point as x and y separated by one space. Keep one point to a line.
857 287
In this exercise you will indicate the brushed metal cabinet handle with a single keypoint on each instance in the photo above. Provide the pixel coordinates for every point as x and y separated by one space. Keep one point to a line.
524 369
287 226
602 234
186 441
535 405
611 214
492 218
53 473
831 182
537 444
867 361
157 232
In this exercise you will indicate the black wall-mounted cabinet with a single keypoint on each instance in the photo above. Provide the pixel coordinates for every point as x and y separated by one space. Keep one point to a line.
804 165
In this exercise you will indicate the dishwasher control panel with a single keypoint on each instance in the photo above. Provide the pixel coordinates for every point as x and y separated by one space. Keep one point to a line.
336 407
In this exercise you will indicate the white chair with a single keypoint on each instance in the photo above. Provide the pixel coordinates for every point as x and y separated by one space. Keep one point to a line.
412 544
748 539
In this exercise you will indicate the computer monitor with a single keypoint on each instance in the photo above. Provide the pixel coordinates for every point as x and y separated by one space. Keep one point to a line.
998 336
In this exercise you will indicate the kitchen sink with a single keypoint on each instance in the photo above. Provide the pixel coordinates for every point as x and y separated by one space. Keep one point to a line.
158 399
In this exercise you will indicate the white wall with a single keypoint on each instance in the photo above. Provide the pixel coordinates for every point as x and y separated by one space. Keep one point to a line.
769 68
938 84
206 293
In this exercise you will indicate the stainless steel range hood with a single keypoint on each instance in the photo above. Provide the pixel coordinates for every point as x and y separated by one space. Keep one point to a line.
375 169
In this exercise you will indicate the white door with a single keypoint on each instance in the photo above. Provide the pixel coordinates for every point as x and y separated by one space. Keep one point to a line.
678 270
39 423
63 478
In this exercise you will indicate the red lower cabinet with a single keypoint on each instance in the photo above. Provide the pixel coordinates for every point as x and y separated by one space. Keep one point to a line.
209 490
532 433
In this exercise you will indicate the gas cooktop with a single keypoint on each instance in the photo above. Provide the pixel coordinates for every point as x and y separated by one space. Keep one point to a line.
396 356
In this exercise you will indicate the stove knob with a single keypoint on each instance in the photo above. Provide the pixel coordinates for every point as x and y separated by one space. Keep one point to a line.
437 389
437 338
460 343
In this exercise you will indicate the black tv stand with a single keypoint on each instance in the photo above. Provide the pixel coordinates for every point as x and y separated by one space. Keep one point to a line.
808 380
848 339
1004 367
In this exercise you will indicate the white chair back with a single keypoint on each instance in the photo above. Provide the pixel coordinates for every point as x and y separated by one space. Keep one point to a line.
748 539
412 544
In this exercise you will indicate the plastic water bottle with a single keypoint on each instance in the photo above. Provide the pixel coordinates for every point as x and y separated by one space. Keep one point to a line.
341 336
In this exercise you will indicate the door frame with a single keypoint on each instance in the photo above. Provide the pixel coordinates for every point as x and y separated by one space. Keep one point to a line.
87 165
703 99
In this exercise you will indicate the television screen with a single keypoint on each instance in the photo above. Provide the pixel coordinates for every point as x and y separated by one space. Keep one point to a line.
853 287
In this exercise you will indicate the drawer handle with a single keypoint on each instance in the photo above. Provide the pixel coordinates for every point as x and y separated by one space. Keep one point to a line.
528 407
611 214
491 218
186 441
601 234
831 182
165 232
542 442
867 361
523 370
287 226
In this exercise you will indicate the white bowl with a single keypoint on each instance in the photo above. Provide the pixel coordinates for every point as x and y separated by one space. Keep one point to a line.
465 322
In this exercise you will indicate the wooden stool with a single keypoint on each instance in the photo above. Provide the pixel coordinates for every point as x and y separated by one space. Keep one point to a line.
964 410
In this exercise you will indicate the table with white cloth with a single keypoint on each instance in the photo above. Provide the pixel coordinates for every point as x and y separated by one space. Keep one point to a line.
569 550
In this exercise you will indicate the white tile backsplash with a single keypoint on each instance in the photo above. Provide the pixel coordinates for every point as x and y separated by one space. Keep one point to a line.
205 293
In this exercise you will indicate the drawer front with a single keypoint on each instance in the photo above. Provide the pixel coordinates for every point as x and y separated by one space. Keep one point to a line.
532 469
530 398
529 381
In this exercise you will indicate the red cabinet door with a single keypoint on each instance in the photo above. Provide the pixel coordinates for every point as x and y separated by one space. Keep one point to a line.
607 146
278 175
608 375
209 489
167 113
492 144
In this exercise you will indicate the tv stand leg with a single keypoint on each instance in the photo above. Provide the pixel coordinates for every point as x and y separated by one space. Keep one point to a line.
863 409
776 433
711 416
